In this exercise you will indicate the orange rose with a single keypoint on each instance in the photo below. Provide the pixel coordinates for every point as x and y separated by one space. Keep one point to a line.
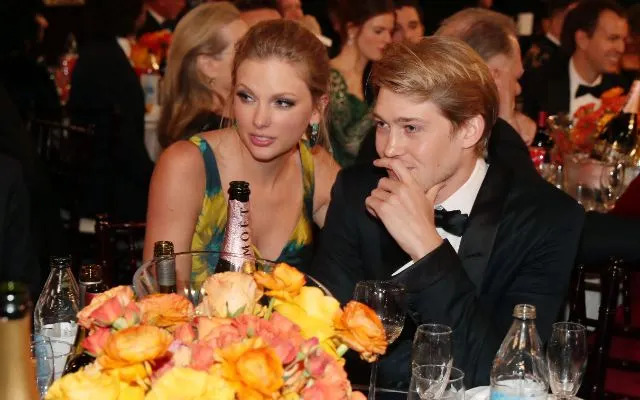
360 328
124 294
95 342
165 310
228 294
253 369
135 345
284 282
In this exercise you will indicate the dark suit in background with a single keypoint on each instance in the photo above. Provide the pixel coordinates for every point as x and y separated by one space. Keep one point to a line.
547 88
519 247
152 25
106 92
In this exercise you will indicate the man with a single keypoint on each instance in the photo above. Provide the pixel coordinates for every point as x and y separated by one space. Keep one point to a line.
436 105
254 11
292 9
161 14
547 46
594 34
409 25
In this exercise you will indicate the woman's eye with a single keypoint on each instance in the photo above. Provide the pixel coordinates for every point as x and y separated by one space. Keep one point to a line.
285 103
244 97
380 125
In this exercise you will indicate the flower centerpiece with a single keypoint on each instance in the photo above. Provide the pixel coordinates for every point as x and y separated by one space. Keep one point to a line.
588 121
150 50
231 346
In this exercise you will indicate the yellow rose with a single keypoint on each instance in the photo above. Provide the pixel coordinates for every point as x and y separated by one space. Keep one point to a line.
253 369
229 294
83 385
283 282
134 345
190 384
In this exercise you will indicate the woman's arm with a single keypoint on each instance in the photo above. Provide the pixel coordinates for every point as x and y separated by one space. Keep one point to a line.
175 199
325 171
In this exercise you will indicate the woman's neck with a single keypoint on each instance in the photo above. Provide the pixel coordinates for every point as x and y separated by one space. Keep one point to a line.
350 59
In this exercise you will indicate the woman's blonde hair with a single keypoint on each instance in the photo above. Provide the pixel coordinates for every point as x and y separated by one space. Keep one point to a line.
445 71
289 41
186 92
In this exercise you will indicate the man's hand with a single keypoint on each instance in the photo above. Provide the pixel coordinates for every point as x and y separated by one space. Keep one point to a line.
405 209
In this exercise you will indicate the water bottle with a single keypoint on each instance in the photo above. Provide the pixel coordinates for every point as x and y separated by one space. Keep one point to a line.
519 370
58 304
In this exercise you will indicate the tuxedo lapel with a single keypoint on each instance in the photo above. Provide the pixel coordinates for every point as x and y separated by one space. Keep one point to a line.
478 240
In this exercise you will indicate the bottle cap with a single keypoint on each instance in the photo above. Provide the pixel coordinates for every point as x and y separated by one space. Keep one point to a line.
162 248
239 190
91 272
524 311
60 261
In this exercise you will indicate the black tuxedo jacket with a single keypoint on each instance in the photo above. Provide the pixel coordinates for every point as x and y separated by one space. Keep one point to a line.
152 25
106 92
519 247
547 88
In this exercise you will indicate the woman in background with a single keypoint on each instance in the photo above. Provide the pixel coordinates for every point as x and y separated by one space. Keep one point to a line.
280 79
366 28
197 82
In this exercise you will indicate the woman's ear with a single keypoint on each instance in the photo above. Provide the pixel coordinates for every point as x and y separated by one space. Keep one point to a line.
208 66
319 109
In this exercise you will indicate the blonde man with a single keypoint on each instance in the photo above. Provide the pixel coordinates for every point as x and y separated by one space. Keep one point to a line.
465 237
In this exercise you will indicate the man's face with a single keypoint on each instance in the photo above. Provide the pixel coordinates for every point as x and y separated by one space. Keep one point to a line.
168 8
605 47
417 134
291 9
408 26
506 70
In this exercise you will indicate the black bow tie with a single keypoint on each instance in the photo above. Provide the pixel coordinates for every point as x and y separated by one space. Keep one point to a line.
453 222
596 91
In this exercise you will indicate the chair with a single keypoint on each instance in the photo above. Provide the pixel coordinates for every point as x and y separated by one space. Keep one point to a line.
119 248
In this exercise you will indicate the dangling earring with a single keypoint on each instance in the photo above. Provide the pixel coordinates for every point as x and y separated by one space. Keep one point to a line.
315 129
350 41
211 82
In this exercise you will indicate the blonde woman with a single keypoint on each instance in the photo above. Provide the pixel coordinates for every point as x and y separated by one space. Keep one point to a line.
197 81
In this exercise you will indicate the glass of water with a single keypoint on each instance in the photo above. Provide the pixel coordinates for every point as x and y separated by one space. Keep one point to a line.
436 382
566 358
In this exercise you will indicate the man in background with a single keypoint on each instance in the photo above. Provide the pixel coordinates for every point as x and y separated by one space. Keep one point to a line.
161 14
409 24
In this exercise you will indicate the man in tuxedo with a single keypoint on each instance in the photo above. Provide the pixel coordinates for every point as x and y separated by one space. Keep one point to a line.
467 239
161 14
594 34
547 46
409 24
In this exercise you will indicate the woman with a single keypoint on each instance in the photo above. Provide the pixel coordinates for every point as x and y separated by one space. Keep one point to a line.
366 29
197 83
280 78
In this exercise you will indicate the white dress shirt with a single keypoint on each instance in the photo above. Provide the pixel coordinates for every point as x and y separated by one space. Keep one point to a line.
159 18
574 81
462 199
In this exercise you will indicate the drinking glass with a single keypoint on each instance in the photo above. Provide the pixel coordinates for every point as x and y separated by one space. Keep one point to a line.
42 357
437 382
612 184
566 358
585 197
388 302
432 345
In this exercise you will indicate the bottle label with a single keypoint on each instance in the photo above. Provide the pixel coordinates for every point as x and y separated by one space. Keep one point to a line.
237 238
166 270
516 389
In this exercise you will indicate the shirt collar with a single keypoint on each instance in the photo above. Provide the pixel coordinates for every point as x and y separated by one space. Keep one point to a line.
156 16
553 39
125 45
463 198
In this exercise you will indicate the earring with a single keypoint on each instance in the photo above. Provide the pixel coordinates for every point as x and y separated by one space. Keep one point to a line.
211 82
350 40
315 129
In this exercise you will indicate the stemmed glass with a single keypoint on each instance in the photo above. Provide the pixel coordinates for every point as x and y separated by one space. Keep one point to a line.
566 358
388 302
431 359
612 184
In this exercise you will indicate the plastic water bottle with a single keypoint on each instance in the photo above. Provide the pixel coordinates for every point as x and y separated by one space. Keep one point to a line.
519 370
55 312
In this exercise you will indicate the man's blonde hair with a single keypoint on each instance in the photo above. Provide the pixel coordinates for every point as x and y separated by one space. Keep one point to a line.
445 71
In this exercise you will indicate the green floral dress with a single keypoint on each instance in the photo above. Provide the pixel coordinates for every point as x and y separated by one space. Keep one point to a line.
349 121
212 221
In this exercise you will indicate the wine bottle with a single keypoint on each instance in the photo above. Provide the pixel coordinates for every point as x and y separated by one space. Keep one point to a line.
165 266
618 138
79 358
237 251
17 370
90 282
540 149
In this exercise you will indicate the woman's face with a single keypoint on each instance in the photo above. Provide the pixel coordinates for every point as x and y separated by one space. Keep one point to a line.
374 35
232 32
273 107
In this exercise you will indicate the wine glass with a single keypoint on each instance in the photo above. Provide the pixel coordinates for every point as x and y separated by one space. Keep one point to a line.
612 184
437 382
387 300
42 358
431 353
566 358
